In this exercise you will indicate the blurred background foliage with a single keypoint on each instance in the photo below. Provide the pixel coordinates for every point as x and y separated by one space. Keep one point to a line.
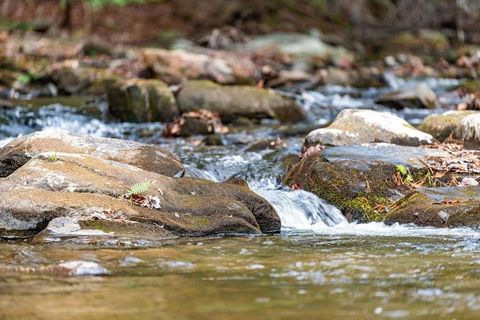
139 21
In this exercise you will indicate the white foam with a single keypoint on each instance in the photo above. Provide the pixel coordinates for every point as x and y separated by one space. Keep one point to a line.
395 230
83 268
302 210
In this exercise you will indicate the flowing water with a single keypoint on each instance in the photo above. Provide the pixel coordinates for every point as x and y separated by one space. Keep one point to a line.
319 267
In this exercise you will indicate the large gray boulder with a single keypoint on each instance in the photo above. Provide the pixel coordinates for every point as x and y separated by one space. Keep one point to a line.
301 47
357 126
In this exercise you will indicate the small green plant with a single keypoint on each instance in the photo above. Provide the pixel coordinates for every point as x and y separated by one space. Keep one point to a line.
405 173
24 78
53 157
139 188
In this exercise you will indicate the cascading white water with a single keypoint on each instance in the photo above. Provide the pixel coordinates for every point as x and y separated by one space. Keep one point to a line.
297 209
303 210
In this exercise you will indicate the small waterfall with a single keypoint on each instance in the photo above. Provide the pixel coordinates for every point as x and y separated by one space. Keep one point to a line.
298 209
303 210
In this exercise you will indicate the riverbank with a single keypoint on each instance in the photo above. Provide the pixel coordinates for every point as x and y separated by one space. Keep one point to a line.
282 175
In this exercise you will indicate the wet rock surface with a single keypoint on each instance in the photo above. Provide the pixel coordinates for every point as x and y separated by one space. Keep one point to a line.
438 207
195 123
94 192
419 96
363 181
54 142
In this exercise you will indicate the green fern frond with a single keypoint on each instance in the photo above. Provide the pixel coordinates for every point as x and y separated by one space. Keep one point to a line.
139 188
53 157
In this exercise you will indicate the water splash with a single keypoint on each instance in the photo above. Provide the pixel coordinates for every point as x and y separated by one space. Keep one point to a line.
302 210
298 209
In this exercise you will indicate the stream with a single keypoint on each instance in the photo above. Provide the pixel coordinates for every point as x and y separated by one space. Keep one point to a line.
319 267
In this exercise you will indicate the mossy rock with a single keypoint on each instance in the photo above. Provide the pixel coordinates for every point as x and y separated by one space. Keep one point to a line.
359 180
461 125
438 207
425 42
140 100
81 80
359 193
232 102
472 85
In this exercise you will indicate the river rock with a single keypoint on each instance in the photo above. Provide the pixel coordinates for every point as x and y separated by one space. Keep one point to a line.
357 126
141 100
424 42
173 66
194 123
419 96
72 78
438 207
93 192
232 102
363 77
463 125
144 156
309 48
362 180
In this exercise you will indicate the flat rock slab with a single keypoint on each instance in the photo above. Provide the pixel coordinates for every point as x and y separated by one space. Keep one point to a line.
147 157
383 152
172 66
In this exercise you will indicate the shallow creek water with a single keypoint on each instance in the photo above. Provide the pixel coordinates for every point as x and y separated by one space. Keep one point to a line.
319 267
